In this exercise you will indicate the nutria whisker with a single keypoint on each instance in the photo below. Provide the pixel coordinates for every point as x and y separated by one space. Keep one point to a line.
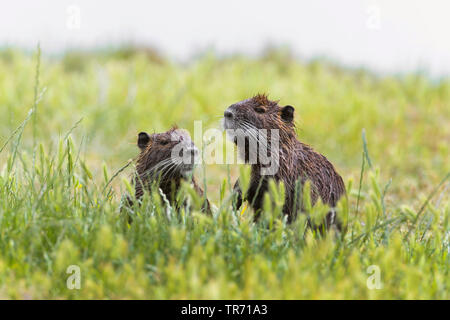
262 143
171 170
160 166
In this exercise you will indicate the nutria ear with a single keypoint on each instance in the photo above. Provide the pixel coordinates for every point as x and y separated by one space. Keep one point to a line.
143 140
287 113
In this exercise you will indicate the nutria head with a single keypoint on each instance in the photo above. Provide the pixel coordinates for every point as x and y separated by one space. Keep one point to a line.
245 119
165 159
167 156
259 112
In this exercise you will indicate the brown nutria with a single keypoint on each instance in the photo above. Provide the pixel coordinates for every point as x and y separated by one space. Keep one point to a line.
165 160
296 162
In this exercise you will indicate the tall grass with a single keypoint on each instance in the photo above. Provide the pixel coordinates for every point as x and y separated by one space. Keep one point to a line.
59 196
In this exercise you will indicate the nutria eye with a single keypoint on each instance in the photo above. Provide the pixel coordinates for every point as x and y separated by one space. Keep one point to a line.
164 142
259 110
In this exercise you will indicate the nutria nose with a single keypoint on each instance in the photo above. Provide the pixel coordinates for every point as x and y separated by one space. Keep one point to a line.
193 151
189 151
228 114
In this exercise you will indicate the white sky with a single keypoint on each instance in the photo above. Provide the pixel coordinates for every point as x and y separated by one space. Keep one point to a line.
387 36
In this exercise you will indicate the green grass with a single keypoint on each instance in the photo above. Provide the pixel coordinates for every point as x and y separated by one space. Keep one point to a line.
59 195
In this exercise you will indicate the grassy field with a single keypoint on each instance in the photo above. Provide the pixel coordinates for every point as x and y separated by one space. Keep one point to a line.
68 129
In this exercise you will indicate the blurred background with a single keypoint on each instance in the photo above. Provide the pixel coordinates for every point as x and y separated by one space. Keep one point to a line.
110 69
388 36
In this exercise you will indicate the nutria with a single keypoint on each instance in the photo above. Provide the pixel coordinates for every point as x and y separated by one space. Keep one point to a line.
296 162
166 159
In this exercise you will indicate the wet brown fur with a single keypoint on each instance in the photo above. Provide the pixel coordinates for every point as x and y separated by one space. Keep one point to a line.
297 161
156 149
